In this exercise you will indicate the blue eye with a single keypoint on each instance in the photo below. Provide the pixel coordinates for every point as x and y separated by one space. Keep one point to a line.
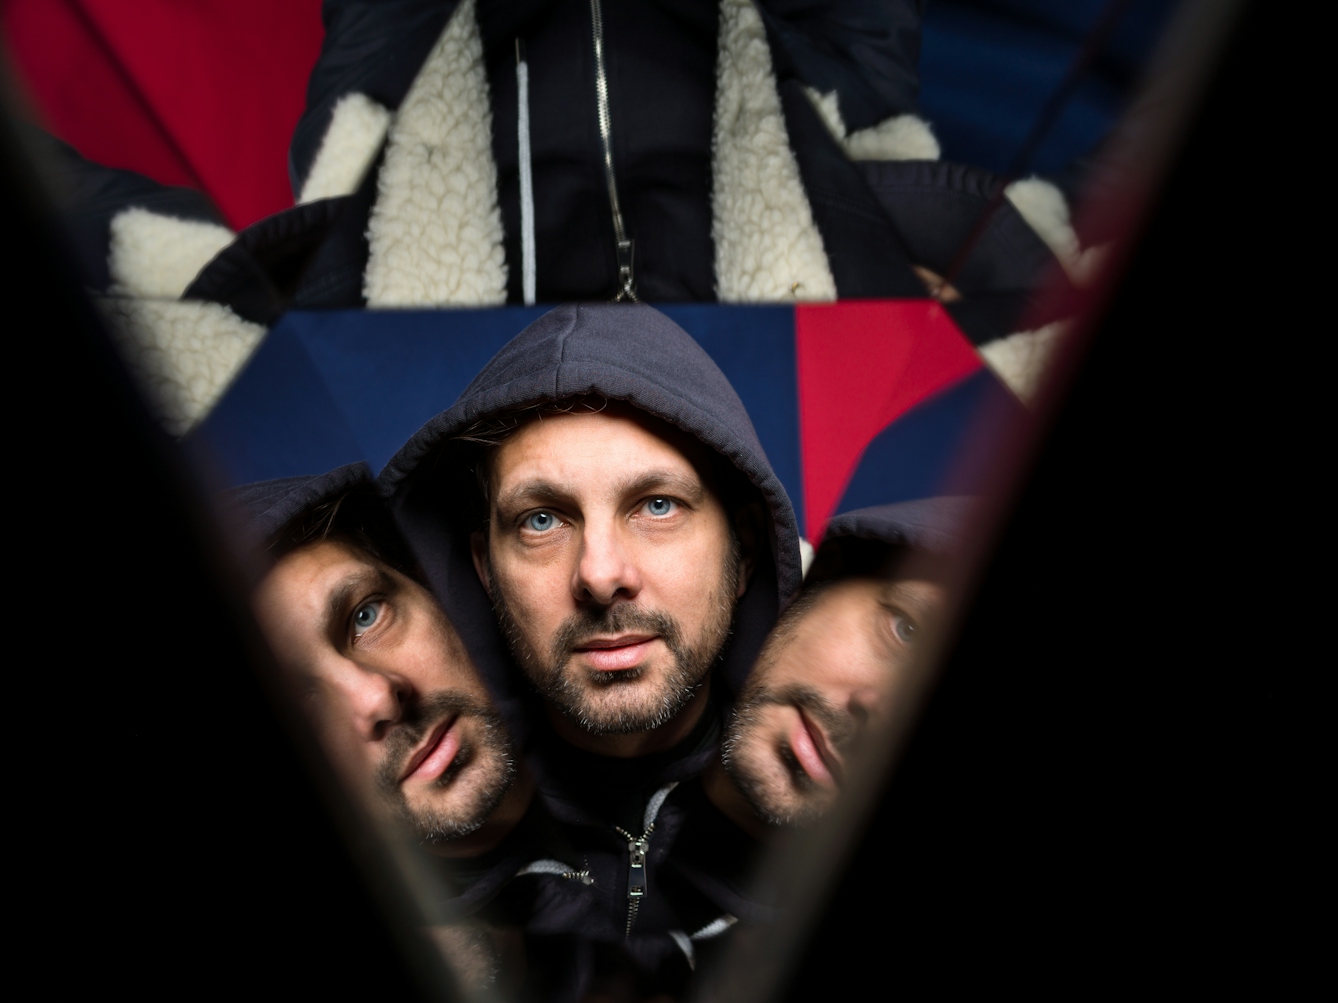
540 522
364 616
660 506
905 629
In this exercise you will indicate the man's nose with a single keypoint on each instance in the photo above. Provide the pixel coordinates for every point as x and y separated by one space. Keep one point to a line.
605 570
867 705
377 700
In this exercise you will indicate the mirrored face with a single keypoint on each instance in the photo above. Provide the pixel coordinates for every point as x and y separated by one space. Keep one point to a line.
394 696
831 670
613 568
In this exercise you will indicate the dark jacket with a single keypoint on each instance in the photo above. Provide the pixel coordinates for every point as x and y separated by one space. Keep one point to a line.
875 218
89 196
661 72
633 354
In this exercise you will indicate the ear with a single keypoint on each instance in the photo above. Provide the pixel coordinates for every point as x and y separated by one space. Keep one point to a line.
749 521
478 549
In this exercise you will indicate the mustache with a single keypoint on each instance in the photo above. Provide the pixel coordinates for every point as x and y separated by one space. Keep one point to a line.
419 718
617 619
840 726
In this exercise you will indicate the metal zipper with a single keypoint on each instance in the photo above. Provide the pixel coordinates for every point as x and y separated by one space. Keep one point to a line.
626 282
637 848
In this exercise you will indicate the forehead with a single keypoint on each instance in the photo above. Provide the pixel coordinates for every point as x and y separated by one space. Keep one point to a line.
594 445
916 594
303 579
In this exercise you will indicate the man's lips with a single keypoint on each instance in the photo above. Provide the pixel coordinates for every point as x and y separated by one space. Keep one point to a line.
613 654
435 754
810 746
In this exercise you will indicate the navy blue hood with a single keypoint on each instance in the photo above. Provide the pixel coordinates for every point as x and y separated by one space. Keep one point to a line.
933 524
266 509
861 542
633 354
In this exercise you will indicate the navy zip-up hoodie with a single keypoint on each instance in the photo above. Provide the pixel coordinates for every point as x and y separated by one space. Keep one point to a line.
637 355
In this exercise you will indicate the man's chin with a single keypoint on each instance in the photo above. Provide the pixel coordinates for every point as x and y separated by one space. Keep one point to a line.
628 705
774 795
444 815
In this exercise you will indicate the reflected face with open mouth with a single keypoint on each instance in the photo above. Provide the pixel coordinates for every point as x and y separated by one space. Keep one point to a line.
393 694
832 669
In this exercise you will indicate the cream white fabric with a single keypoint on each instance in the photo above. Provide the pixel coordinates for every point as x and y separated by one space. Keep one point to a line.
767 246
1022 360
159 256
435 233
183 355
357 129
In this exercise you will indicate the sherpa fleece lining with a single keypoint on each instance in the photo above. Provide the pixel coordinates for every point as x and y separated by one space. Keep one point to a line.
1022 360
357 128
1046 211
903 137
182 354
435 233
158 256
767 246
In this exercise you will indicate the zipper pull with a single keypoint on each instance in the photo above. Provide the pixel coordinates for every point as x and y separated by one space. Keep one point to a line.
637 848
636 872
626 281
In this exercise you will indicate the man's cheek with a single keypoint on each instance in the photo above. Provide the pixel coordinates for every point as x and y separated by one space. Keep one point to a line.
528 590
684 585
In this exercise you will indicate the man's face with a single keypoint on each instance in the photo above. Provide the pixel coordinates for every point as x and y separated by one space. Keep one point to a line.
826 675
612 566
394 695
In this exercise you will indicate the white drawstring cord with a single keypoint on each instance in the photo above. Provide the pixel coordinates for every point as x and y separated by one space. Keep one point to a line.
526 175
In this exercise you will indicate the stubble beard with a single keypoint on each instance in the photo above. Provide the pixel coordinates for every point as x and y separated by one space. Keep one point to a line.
622 703
780 794
490 752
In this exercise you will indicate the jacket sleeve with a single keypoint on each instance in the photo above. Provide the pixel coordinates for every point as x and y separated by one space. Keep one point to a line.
371 47
869 53
89 196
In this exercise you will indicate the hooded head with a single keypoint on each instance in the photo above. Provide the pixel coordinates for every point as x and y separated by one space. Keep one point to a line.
388 686
839 658
270 510
601 489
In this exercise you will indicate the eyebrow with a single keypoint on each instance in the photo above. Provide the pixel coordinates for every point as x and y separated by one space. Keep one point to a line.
691 489
370 579
897 594
543 491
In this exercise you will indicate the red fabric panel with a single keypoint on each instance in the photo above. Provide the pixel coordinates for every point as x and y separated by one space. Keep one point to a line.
204 93
62 64
861 365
